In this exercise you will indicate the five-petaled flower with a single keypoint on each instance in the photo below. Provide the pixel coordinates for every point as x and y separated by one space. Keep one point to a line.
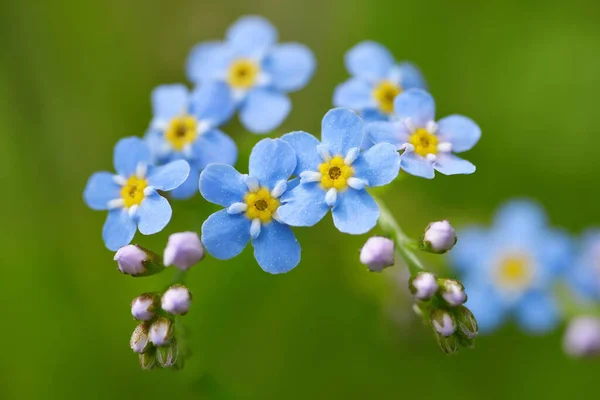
335 174
427 144
185 127
258 72
131 195
376 81
251 208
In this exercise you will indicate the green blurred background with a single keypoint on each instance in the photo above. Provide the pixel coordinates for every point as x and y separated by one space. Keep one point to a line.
75 76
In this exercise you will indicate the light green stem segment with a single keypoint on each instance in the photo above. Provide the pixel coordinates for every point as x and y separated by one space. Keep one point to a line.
404 244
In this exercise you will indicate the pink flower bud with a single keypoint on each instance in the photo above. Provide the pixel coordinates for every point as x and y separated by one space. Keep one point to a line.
176 300
439 237
582 337
377 253
183 250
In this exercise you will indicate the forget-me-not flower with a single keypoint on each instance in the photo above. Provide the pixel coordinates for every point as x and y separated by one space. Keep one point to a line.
511 268
251 208
131 196
427 144
376 81
335 174
185 127
585 274
257 70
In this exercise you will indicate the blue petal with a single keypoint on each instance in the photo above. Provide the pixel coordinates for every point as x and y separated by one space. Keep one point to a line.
461 131
305 147
290 66
379 165
416 104
373 115
212 103
208 61
355 212
410 76
129 152
556 253
341 130
101 189
472 249
449 164
538 312
224 235
369 60
394 133
118 229
169 101
276 248
214 147
264 110
169 176
303 206
489 309
154 214
520 220
416 165
160 151
272 160
189 187
222 184
355 94
251 36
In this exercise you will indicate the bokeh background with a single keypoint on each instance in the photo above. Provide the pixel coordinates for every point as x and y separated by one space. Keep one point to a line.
75 76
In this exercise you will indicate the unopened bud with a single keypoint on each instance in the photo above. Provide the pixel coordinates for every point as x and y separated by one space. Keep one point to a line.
449 345
377 253
582 338
143 307
148 360
466 322
453 292
176 300
161 331
167 355
183 250
135 260
140 342
466 342
423 285
443 322
439 237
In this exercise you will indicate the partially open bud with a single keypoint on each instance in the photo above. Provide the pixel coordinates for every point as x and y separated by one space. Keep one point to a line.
135 260
453 292
439 237
423 285
176 300
167 355
466 322
377 253
144 306
582 338
443 322
148 359
183 250
161 331
140 342
448 344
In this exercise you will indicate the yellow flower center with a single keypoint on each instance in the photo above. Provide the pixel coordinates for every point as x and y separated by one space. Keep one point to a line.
515 272
385 93
243 74
182 131
335 173
261 205
424 142
132 192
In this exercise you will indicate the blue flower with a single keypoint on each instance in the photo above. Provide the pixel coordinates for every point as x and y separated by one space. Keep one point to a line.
185 127
376 81
427 144
257 71
335 174
585 274
131 196
512 268
251 208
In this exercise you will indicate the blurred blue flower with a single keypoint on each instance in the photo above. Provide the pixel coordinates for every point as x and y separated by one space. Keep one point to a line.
257 71
185 127
427 145
131 195
335 174
511 269
585 274
376 81
251 208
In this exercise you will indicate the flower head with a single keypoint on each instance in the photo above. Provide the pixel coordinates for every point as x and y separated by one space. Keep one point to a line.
252 204
185 127
427 144
376 81
335 173
131 195
257 71
184 249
